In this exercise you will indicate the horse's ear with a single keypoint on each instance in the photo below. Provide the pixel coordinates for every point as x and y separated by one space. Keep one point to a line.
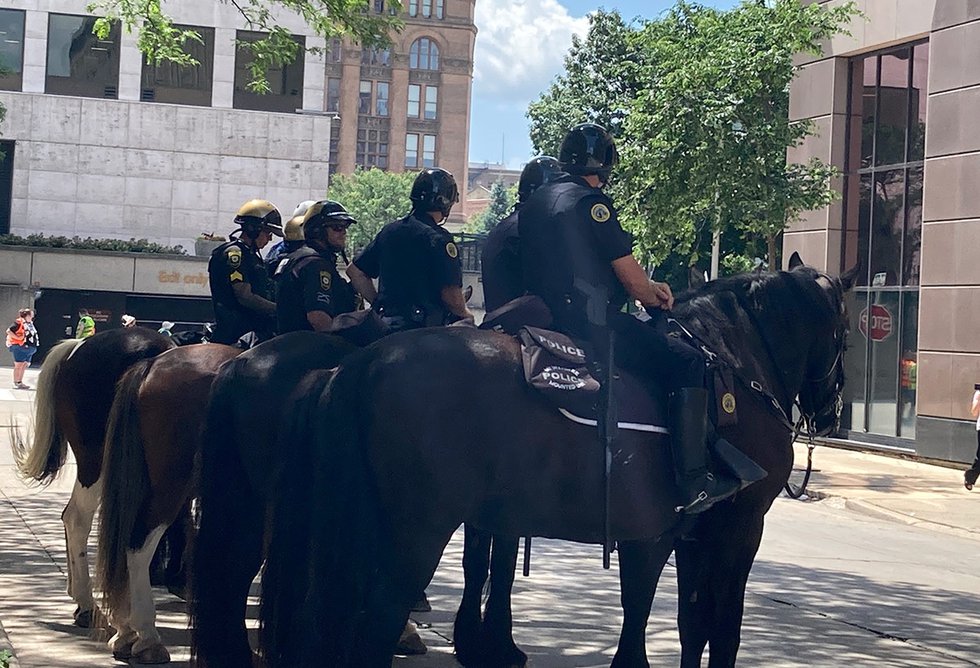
695 277
848 278
795 261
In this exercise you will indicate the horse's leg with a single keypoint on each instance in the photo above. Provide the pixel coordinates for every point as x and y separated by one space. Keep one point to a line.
640 564
498 623
142 618
694 602
476 563
77 518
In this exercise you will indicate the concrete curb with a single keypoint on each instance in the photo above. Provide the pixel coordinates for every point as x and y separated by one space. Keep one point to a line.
874 510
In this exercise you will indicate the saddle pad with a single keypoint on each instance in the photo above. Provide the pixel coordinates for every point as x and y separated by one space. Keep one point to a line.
558 368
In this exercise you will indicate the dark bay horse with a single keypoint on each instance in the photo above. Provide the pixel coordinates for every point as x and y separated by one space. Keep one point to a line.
239 456
152 439
71 407
429 429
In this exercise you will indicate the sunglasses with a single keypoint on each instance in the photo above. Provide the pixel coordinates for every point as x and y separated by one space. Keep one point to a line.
338 228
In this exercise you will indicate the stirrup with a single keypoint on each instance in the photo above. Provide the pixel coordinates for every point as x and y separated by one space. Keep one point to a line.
702 496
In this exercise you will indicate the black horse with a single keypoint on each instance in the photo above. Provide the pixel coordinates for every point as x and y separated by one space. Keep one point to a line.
429 429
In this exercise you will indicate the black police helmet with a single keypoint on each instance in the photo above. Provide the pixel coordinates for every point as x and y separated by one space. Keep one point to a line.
588 149
322 215
434 190
541 170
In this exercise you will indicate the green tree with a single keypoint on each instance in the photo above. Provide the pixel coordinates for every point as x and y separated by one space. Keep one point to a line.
161 41
502 200
374 197
701 112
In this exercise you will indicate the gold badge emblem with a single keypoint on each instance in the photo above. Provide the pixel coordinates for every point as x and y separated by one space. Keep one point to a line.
451 250
728 402
234 258
601 213
236 276
325 280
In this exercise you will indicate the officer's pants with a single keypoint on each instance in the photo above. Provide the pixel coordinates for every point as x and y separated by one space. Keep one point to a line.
651 354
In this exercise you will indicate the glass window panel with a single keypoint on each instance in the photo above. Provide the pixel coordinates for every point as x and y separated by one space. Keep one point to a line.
379 6
909 363
861 233
79 63
411 150
440 8
434 57
917 100
893 108
887 227
414 95
11 49
413 7
423 55
880 322
429 151
285 81
855 364
431 98
864 81
333 94
336 53
381 103
426 8
364 101
912 246
171 83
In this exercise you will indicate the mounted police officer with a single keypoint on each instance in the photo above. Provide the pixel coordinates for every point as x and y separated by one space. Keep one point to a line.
311 290
503 277
416 261
579 260
241 289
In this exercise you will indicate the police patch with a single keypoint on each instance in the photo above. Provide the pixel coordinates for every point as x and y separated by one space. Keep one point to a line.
236 276
728 402
451 250
325 280
234 258
601 213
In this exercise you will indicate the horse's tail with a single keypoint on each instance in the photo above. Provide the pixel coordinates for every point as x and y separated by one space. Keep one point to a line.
44 459
125 486
323 552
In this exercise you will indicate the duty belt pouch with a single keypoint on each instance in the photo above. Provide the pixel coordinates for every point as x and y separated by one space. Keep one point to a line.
555 366
723 386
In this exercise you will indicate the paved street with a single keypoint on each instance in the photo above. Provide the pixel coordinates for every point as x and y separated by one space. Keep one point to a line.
836 583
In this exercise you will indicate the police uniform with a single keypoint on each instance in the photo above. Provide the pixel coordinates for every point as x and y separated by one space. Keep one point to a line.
414 259
230 263
570 235
308 281
503 277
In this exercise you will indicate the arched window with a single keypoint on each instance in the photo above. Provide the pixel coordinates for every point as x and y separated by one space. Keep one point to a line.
424 55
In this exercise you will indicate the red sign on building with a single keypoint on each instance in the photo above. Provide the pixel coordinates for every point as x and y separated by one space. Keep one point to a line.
875 322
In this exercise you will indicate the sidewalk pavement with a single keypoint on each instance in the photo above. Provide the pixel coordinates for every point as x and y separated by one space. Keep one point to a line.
888 487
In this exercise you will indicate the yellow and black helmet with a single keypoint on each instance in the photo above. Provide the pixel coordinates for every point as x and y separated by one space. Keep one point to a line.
293 229
258 214
323 214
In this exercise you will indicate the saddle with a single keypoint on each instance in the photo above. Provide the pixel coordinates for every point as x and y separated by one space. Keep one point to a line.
559 368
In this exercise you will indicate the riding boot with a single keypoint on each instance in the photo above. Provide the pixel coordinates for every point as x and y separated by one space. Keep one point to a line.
700 489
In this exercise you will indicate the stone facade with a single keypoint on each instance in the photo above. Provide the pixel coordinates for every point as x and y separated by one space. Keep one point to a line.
948 288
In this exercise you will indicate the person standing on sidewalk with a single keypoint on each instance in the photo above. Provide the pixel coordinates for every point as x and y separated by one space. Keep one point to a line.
22 343
86 325
971 474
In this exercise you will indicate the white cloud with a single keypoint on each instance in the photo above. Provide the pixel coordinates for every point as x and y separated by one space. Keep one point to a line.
520 47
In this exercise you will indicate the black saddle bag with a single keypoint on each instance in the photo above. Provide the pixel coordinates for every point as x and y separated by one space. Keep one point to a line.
557 367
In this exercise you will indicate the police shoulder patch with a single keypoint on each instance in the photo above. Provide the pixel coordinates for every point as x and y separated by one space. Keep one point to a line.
234 258
601 213
728 402
451 250
325 280
236 276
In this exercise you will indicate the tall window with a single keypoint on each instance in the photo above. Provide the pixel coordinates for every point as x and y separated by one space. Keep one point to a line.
372 148
11 49
412 151
376 56
285 81
882 236
430 8
335 52
334 157
333 94
414 101
364 99
79 63
381 99
431 98
172 83
413 7
428 150
423 55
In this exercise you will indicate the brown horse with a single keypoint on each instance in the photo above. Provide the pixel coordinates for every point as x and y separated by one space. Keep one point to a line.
429 429
74 394
152 438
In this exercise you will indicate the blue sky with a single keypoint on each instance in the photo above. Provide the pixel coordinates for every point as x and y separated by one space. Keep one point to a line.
519 50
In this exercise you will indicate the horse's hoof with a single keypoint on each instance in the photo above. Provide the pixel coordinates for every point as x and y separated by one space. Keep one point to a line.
83 618
410 644
122 651
152 655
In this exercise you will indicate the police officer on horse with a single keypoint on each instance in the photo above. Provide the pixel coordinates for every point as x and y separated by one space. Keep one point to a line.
579 260
503 274
241 289
416 261
311 290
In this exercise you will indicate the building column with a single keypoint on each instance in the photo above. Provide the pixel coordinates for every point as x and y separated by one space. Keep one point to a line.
35 51
223 85
130 68
314 78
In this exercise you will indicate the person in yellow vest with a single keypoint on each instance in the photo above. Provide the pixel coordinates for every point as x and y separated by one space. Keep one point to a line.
86 326
22 343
